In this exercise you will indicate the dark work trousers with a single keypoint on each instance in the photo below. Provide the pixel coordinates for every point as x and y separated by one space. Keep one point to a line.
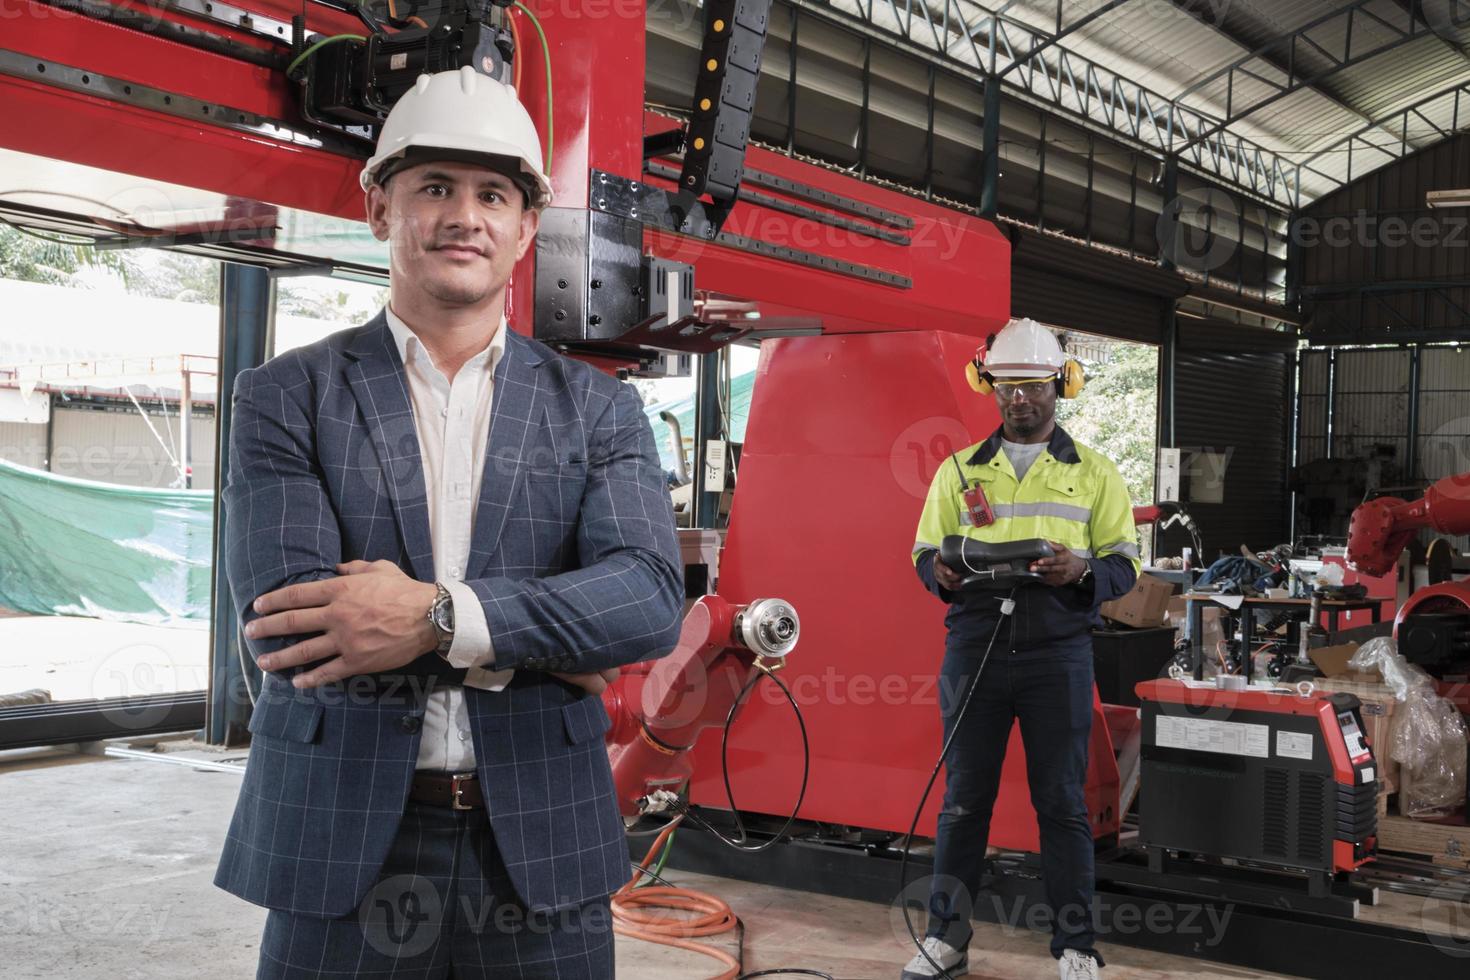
1050 691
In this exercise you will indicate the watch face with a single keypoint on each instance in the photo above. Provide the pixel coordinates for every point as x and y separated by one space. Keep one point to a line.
444 616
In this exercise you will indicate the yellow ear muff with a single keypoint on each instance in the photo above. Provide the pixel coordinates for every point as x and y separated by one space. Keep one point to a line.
979 382
1071 381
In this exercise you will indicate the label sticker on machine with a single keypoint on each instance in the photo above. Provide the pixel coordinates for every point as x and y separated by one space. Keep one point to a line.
1203 735
1294 745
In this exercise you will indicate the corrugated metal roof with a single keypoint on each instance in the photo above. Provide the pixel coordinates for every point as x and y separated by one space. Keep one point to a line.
1172 46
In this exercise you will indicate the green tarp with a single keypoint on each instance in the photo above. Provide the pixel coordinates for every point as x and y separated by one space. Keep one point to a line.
80 548
741 386
74 547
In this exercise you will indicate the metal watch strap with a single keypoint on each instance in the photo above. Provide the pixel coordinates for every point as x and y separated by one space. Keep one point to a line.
446 637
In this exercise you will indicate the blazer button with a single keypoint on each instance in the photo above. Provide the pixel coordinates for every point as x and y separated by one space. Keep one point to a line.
409 724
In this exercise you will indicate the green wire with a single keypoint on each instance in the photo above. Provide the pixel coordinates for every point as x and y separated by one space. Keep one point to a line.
546 53
320 44
663 858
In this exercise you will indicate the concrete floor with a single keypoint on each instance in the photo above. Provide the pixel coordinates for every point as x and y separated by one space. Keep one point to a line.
107 867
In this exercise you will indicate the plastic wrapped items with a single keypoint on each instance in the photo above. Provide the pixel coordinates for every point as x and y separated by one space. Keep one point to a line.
1381 655
1428 735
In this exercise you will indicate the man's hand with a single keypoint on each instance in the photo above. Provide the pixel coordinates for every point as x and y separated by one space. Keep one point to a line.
947 577
371 618
1062 568
593 683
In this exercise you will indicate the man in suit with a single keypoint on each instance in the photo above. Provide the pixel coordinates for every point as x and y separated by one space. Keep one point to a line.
440 535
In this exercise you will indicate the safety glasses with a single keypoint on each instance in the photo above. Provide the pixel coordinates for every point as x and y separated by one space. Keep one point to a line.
1031 387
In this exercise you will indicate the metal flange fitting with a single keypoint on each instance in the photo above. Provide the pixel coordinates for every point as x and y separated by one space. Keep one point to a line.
768 627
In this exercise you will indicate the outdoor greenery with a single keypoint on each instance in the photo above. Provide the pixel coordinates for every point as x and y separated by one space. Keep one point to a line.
1116 415
46 259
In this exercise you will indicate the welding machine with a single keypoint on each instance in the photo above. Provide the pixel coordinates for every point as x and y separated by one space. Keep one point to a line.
1272 776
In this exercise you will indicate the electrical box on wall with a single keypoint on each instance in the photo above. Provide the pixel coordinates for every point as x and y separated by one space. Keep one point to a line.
1166 477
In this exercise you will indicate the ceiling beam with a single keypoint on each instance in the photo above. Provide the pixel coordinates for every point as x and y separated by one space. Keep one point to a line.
1194 10
1286 45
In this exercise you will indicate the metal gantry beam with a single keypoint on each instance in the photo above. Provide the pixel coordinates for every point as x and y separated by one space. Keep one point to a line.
980 42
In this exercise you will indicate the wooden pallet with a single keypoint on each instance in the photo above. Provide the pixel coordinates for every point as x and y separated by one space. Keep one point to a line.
1446 844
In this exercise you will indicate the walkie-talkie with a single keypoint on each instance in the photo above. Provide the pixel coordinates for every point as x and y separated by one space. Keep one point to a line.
975 501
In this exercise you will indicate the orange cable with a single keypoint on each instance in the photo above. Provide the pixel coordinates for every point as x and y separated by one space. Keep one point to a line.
515 43
713 916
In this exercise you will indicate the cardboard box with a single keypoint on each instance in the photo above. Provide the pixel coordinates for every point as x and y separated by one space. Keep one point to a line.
1332 662
1178 612
1144 607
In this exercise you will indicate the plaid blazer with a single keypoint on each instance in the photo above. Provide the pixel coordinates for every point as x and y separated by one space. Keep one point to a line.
573 555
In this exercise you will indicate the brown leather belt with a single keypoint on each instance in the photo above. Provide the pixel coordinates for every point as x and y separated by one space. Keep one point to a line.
456 790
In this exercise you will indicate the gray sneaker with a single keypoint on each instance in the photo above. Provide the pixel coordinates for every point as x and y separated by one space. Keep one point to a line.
955 962
1077 966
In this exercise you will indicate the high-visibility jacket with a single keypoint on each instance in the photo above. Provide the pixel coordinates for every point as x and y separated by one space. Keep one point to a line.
1071 495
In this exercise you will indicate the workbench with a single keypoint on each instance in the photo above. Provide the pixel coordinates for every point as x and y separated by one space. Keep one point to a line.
1247 612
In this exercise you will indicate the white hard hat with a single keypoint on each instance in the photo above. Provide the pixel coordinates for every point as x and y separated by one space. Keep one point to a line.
1024 349
467 114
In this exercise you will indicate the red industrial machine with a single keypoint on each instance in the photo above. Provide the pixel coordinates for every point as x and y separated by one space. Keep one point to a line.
1433 627
1259 775
870 301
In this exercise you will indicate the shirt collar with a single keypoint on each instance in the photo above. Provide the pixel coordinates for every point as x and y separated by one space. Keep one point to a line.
1060 445
411 348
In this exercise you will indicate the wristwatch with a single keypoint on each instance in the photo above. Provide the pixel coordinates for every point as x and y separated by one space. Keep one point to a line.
1086 573
441 617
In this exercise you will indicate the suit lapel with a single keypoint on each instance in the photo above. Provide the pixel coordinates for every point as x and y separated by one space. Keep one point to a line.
378 384
514 414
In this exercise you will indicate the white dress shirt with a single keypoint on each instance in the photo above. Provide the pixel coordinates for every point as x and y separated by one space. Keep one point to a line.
453 424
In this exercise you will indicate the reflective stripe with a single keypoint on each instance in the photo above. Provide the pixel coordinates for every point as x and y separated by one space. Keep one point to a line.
1067 512
1080 552
924 546
1120 548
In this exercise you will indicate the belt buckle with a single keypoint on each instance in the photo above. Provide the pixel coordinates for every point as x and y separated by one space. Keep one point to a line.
456 790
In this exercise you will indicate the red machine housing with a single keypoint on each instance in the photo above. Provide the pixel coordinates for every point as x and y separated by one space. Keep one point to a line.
844 435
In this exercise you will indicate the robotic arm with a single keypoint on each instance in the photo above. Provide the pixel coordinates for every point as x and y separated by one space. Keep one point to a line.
1167 513
1433 627
660 708
1381 528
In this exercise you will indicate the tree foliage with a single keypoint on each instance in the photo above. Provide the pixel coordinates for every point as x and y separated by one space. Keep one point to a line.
1117 415
32 257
